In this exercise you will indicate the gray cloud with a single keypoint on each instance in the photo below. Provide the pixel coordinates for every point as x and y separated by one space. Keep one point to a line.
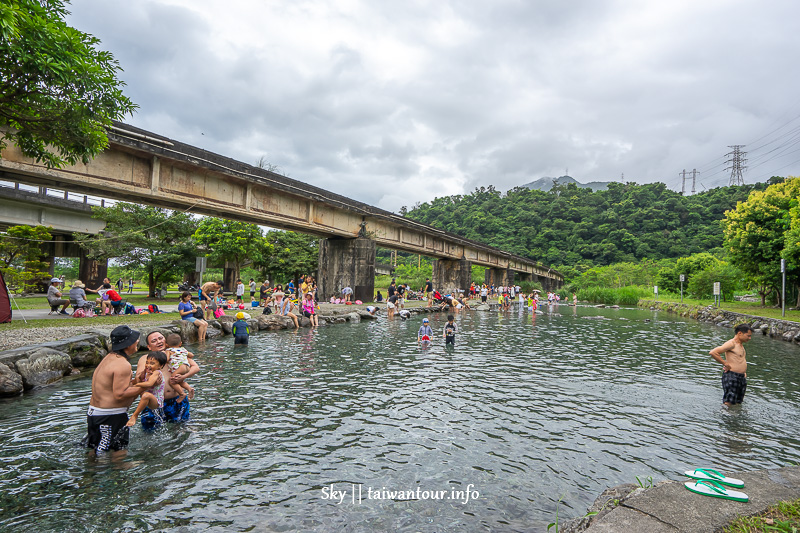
394 104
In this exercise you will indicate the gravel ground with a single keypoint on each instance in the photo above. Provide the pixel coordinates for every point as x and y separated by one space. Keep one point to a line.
27 337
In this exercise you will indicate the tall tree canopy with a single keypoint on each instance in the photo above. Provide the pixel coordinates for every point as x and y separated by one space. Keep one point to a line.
57 90
230 240
290 255
140 236
758 233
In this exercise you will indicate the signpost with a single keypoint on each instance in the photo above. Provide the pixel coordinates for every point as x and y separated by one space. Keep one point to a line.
200 266
682 278
716 293
655 291
783 289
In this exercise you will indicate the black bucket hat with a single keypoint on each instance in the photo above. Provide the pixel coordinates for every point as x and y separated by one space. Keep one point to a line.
122 337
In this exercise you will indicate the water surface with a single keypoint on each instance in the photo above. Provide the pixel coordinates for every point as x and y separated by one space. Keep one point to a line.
526 410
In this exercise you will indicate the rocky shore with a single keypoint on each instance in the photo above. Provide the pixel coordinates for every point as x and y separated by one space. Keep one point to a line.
779 329
37 361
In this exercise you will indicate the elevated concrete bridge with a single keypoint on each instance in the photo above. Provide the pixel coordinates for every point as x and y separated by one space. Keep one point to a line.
144 167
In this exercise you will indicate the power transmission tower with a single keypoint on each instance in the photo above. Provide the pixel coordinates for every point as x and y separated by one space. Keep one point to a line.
736 160
694 178
683 182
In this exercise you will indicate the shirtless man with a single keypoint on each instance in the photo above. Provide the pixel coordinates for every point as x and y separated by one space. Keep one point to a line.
734 365
173 410
112 394
208 295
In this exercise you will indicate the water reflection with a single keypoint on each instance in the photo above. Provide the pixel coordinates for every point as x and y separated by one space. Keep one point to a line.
525 408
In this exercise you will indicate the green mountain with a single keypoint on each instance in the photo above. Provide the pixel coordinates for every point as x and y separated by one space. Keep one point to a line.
545 184
569 225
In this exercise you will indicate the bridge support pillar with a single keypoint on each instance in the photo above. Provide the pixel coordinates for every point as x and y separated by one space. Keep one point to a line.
451 276
90 271
229 278
500 277
347 263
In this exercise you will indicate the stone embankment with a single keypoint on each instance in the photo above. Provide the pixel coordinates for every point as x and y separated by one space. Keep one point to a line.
29 367
779 329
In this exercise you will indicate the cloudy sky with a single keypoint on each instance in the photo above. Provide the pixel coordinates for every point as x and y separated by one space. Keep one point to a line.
392 103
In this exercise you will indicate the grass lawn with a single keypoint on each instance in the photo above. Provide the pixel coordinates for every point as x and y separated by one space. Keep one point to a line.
747 308
783 516
139 300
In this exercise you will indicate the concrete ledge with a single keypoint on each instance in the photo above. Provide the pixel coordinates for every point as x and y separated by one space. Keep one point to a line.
669 507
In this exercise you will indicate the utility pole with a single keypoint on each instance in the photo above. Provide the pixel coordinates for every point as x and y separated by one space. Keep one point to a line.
683 182
694 178
736 161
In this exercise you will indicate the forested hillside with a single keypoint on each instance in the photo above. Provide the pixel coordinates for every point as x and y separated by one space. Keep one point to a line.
569 225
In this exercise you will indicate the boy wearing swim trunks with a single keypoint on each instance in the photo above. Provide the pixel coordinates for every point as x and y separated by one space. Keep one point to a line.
734 365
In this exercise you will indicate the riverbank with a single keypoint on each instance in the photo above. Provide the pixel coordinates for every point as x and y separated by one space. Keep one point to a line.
785 330
669 507
40 356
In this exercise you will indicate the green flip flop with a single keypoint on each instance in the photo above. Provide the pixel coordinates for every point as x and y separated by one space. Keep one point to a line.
715 490
707 474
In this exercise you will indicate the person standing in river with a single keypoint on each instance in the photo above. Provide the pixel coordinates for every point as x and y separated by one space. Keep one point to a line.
112 394
734 365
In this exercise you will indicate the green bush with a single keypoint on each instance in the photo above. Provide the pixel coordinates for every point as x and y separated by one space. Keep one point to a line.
702 283
620 296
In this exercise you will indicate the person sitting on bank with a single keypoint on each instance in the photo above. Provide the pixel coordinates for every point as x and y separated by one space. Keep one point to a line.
77 296
187 310
109 300
54 297
285 306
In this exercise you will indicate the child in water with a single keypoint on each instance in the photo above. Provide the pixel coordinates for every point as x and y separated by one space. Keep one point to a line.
240 330
425 332
450 330
178 363
151 381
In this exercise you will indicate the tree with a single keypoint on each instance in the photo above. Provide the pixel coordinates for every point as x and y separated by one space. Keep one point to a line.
230 240
289 256
57 90
755 234
157 240
21 256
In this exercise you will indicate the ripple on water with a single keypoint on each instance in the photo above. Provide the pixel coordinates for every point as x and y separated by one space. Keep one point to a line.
525 409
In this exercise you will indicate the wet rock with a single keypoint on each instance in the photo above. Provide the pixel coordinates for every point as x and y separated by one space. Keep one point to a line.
756 325
274 322
365 315
614 307
227 327
602 306
305 322
43 366
764 329
482 307
252 323
353 317
797 337
10 382
212 333
188 332
86 354
789 336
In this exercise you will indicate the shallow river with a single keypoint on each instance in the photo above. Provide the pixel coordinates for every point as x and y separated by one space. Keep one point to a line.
524 412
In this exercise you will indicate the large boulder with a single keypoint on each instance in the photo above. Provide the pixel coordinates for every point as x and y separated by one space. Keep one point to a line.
305 322
789 336
10 382
43 366
252 323
273 322
86 354
353 317
188 331
212 333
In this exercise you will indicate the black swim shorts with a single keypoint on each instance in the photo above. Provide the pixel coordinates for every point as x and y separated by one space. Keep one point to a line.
106 431
734 386
241 339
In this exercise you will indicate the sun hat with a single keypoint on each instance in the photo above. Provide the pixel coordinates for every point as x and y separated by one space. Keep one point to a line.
240 316
79 284
55 280
122 337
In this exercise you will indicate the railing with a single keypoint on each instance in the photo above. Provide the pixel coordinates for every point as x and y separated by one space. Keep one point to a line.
58 193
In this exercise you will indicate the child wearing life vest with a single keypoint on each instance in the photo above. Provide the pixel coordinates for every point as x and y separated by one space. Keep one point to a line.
240 330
